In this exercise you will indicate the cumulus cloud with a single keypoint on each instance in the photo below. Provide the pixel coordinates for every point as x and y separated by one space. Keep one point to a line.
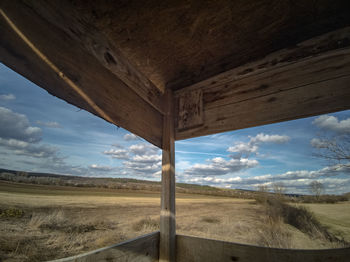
245 149
101 168
130 137
7 97
140 159
264 138
332 123
16 126
49 124
17 135
28 149
318 143
331 177
219 166
143 148
146 160
118 153
138 166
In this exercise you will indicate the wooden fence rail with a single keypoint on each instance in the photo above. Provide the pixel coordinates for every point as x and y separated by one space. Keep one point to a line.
144 249
193 249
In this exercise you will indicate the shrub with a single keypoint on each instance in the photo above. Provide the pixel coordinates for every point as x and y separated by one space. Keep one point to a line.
11 213
52 221
301 218
273 234
58 221
146 224
212 220
329 199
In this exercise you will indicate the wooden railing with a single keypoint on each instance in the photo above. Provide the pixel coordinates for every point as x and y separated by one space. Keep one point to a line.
194 249
144 248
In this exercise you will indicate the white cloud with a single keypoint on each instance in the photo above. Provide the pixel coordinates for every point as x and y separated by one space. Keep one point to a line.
140 159
16 126
101 168
294 181
333 124
49 124
143 148
117 153
18 147
130 137
264 138
243 148
219 166
7 97
146 160
319 143
252 146
20 138
145 168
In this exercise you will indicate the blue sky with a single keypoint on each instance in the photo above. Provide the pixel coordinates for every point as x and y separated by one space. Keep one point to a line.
39 132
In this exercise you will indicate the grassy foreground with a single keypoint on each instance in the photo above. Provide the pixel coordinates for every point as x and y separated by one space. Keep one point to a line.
46 222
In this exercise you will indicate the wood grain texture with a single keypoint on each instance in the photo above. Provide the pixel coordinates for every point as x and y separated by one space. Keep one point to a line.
144 248
178 43
66 16
264 93
167 213
58 63
193 249
190 108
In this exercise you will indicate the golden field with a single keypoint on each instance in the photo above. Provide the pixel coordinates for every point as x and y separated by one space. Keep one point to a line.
47 222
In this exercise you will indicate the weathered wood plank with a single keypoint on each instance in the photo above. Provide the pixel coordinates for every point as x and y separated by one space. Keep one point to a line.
193 249
167 213
74 23
46 55
280 87
190 109
316 46
144 248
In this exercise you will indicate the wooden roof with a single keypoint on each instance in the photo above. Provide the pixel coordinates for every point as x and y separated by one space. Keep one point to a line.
230 64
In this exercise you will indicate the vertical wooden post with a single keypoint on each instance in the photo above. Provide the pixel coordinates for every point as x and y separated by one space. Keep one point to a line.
167 213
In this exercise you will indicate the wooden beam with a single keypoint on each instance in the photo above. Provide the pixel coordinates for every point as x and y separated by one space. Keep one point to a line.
197 249
54 60
77 25
167 215
144 248
310 79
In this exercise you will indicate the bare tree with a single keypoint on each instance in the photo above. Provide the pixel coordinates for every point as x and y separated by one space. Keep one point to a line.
263 188
316 188
263 193
335 148
278 188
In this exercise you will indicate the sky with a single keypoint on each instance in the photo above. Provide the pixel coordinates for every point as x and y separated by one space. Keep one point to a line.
41 133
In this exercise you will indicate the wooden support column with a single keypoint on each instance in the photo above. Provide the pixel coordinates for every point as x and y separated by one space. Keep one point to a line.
167 214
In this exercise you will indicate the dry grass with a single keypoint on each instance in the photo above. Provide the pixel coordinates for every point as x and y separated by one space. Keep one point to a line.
213 220
146 225
273 233
299 217
335 217
54 226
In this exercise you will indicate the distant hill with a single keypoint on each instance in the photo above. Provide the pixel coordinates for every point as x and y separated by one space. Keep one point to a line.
116 183
145 185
